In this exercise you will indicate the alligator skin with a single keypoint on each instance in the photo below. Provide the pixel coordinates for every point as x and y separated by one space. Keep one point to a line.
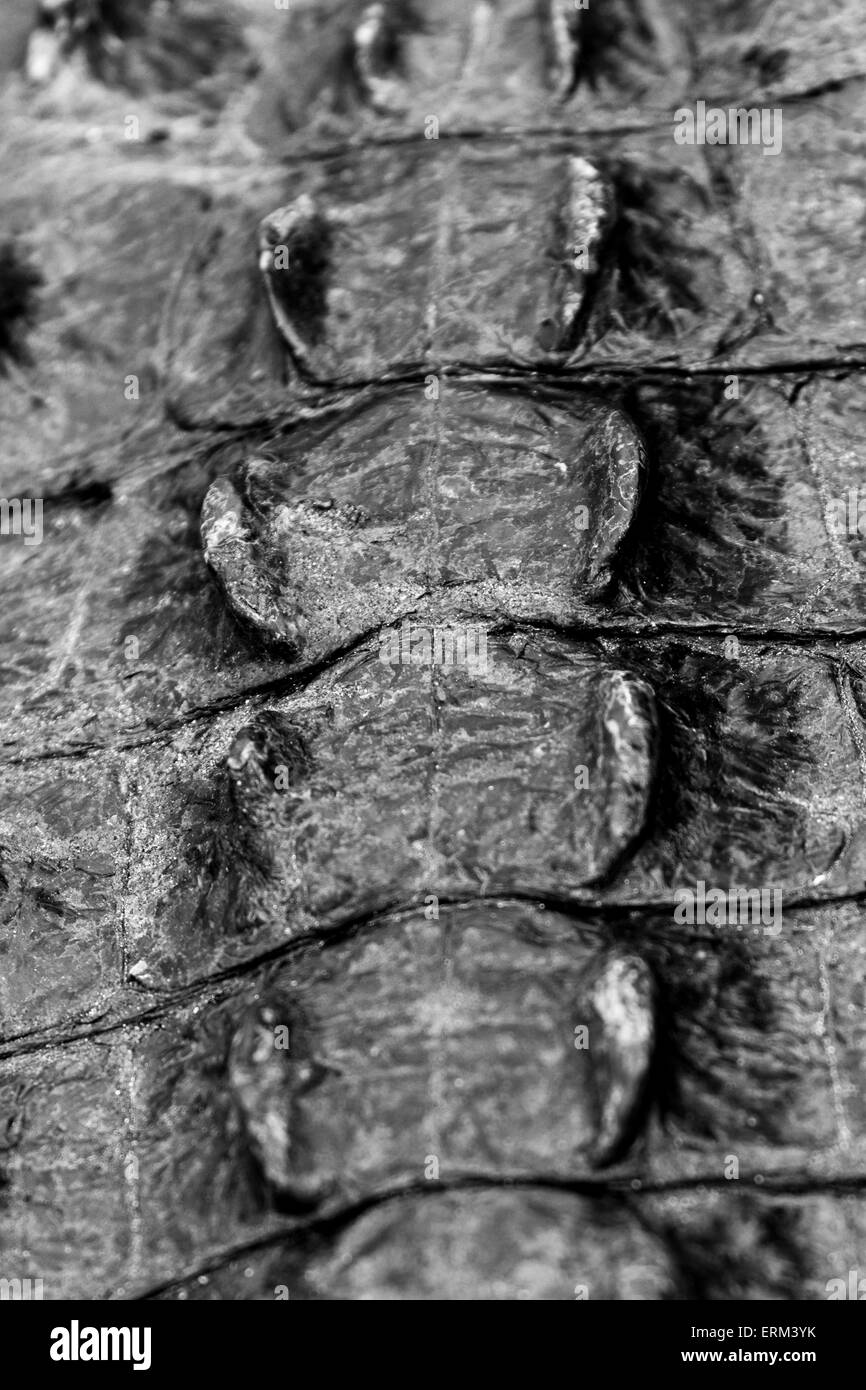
438 585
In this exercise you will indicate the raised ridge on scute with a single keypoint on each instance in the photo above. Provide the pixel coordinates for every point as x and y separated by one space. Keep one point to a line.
456 254
529 771
444 500
517 1042
356 65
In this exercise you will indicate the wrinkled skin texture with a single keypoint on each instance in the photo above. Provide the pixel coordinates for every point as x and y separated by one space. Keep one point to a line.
334 967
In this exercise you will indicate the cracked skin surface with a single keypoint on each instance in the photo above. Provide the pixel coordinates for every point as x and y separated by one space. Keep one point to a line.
164 903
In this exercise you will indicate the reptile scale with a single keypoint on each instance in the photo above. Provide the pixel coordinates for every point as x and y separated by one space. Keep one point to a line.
433 837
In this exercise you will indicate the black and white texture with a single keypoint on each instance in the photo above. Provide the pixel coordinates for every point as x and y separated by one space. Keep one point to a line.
440 580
